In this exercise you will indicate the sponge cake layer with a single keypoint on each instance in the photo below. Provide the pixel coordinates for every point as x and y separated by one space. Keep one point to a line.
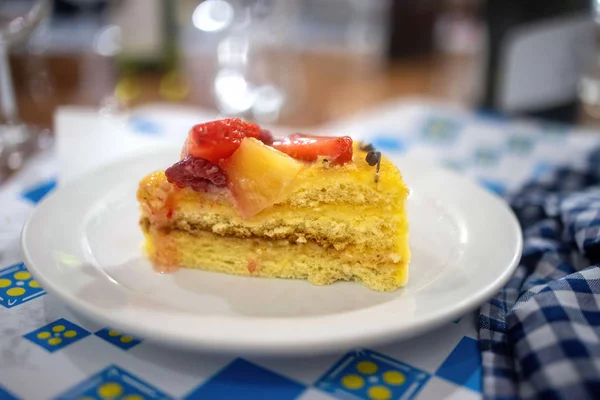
271 259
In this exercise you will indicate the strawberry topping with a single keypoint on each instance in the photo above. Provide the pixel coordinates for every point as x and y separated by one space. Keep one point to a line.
338 150
217 140
209 145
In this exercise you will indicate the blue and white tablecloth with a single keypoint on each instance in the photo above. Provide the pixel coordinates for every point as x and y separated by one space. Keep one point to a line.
46 352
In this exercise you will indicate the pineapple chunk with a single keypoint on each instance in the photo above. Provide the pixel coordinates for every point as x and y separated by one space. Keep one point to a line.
259 176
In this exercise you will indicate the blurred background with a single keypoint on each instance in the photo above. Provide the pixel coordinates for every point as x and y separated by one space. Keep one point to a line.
299 62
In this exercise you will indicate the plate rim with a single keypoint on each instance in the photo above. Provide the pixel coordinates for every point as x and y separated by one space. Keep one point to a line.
279 347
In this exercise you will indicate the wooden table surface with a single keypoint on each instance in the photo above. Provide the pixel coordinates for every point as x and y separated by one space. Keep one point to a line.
331 86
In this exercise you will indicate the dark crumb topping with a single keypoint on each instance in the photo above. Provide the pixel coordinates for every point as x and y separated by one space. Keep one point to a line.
374 158
366 147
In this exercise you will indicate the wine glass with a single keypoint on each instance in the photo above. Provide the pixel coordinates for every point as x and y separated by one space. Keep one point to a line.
18 20
257 73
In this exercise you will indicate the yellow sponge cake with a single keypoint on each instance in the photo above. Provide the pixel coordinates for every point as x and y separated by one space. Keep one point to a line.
320 209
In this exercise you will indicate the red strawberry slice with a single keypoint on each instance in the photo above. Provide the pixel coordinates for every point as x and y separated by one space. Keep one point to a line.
217 140
338 150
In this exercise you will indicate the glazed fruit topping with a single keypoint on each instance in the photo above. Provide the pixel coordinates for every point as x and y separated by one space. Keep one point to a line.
196 173
337 150
210 156
258 176
266 137
218 140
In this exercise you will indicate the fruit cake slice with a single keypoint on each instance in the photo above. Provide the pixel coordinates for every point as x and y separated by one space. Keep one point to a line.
239 202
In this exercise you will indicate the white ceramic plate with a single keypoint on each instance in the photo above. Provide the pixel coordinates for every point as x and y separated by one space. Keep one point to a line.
83 245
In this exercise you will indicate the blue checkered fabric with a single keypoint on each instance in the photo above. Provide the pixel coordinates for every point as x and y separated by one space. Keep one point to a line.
540 335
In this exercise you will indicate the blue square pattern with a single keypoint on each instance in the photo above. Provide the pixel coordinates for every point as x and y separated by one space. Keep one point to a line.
244 380
5 395
57 335
144 125
117 338
17 286
520 144
463 365
554 130
494 186
389 142
454 165
113 383
365 374
440 131
541 169
486 156
37 193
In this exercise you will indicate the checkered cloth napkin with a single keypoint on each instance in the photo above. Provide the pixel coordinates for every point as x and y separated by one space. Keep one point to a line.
540 335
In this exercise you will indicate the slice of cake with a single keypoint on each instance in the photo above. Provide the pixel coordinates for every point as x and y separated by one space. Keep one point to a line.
238 201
